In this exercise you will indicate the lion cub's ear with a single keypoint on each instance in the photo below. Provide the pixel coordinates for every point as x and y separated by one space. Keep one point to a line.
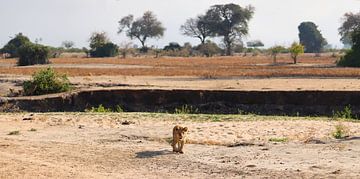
185 129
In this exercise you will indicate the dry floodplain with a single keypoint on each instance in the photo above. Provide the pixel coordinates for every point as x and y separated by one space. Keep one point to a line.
136 145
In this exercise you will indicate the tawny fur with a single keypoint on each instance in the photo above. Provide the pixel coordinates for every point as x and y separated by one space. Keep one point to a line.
179 138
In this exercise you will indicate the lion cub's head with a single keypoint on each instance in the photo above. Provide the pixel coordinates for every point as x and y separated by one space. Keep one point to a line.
180 132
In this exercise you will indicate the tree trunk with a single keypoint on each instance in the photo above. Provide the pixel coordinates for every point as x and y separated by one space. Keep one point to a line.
295 59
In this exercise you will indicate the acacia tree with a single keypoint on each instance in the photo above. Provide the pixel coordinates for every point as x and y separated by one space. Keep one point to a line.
142 28
229 21
198 27
350 23
311 37
255 44
295 50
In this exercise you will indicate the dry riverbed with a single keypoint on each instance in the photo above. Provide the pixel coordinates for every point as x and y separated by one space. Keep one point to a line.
135 145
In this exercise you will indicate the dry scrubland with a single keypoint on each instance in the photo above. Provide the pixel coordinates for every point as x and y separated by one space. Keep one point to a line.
260 66
93 145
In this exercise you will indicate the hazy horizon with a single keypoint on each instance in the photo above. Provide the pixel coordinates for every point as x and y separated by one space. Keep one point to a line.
275 22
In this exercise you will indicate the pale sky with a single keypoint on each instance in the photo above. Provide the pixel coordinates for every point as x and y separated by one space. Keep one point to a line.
54 21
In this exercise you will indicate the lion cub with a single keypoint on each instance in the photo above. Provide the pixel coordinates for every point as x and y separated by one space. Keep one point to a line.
179 137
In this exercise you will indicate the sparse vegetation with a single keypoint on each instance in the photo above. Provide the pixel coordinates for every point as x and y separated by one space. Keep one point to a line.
46 81
346 113
14 133
186 109
340 132
275 50
33 130
102 109
279 140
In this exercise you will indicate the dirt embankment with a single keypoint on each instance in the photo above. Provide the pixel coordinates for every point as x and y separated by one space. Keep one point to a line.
200 101
78 145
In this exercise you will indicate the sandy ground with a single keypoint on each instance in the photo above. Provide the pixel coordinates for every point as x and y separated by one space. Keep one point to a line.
88 145
188 82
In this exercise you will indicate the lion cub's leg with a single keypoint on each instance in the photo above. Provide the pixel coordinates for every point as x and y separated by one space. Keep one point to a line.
174 145
181 146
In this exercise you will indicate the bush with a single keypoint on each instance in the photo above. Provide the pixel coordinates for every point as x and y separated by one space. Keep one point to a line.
106 50
31 54
209 49
46 82
340 132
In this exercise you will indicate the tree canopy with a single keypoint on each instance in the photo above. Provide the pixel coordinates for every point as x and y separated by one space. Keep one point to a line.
229 21
350 23
311 37
198 27
142 28
255 43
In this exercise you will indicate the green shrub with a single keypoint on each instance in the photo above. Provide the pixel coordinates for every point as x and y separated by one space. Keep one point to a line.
106 50
340 132
45 82
99 109
279 140
346 113
186 109
31 54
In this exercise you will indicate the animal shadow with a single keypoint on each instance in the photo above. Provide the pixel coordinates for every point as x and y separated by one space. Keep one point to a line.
151 154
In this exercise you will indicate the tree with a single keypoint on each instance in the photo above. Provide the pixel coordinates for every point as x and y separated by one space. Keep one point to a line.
311 37
31 54
295 50
101 46
350 23
255 44
68 44
14 44
98 39
142 28
198 27
352 57
275 50
229 21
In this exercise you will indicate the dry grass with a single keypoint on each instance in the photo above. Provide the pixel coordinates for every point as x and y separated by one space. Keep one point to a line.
260 66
